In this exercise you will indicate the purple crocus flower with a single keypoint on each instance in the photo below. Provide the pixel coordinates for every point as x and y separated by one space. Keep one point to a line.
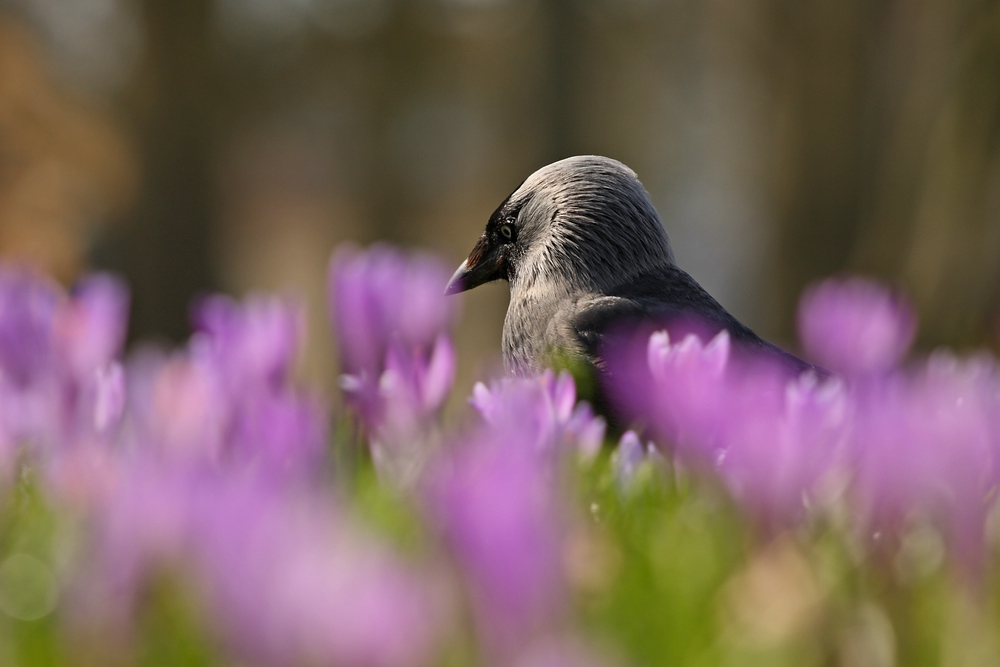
60 382
292 580
780 438
62 388
689 388
927 443
254 342
921 442
402 419
412 388
88 336
89 328
249 348
229 398
494 502
28 304
769 435
44 332
285 577
855 326
384 296
628 457
391 318
544 411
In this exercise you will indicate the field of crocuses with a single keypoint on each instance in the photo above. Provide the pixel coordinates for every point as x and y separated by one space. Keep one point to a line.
199 507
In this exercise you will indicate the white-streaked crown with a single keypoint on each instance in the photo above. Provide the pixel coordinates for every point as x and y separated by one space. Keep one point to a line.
587 222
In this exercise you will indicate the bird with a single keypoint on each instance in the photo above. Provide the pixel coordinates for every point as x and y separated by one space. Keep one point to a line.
587 256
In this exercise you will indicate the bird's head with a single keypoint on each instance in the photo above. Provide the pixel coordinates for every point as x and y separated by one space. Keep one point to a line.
585 222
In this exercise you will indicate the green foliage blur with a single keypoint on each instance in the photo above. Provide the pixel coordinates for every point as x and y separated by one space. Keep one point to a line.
664 571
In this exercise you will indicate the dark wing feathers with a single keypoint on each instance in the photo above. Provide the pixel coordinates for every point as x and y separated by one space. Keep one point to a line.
659 298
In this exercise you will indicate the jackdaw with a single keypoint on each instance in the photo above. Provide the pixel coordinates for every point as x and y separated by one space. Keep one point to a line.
586 256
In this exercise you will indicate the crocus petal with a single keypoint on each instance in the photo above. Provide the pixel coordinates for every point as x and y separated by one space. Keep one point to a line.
628 457
109 405
855 326
91 326
440 373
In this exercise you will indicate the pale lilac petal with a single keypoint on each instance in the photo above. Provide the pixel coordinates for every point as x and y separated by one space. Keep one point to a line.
28 304
586 431
440 373
496 509
560 652
109 405
628 457
563 391
855 326
538 409
383 296
483 400
253 341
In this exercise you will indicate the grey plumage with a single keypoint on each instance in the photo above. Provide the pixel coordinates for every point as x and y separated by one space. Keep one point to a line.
585 254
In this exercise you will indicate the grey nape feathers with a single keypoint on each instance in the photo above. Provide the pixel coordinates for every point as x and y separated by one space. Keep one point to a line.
585 254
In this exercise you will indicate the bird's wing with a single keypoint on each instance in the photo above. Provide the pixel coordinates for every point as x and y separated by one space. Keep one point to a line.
654 298
598 317
664 298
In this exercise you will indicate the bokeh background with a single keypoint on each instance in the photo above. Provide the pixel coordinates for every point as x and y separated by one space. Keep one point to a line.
197 145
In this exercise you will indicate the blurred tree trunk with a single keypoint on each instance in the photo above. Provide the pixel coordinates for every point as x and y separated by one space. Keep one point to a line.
562 58
890 167
165 252
947 253
818 64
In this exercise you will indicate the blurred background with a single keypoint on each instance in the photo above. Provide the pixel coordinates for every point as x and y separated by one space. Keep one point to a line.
196 145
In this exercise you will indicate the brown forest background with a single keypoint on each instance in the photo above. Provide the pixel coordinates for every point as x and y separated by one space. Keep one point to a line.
196 145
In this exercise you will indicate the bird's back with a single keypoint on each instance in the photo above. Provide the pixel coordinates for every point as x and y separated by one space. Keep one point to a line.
581 325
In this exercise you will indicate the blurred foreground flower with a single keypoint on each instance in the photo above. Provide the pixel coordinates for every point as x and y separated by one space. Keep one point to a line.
228 398
541 413
771 437
495 497
909 442
497 508
382 297
927 442
61 384
284 576
202 473
392 319
854 326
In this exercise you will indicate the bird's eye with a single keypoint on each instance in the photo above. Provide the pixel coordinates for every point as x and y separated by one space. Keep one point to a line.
507 230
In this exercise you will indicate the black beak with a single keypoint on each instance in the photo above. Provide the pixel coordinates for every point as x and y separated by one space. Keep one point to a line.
457 283
483 270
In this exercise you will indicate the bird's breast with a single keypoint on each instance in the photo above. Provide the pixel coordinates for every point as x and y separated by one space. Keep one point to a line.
523 333
536 328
